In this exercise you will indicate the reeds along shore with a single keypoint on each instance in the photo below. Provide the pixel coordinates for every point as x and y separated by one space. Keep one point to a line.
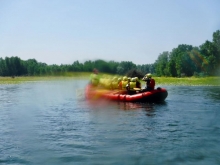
189 81
186 81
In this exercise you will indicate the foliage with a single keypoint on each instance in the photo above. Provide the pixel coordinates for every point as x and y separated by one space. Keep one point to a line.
192 81
134 73
186 60
14 66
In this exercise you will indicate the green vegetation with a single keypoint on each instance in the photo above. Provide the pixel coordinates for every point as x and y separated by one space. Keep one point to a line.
14 66
22 79
185 60
186 81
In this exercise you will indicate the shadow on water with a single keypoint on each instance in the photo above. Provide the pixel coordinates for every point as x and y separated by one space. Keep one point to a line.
149 108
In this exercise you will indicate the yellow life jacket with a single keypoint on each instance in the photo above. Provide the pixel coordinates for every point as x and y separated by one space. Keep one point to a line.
94 79
114 85
108 83
132 85
124 83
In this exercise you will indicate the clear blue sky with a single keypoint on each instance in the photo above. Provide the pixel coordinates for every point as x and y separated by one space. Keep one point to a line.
63 31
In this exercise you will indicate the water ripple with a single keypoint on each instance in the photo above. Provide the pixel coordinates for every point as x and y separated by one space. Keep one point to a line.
49 123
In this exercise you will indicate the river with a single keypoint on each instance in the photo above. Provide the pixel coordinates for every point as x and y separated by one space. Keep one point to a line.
51 123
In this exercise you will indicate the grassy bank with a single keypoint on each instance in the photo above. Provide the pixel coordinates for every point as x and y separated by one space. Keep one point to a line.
23 79
192 81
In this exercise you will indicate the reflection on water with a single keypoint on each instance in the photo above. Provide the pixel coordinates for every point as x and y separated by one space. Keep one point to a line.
148 107
128 106
53 123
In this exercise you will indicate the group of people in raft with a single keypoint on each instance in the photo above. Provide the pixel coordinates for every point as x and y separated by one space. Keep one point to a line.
128 84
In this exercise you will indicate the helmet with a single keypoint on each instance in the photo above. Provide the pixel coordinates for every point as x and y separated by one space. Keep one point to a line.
149 75
125 78
114 79
95 71
119 79
133 79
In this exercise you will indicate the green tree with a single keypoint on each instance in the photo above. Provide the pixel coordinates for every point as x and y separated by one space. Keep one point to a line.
125 66
216 43
161 64
146 68
3 70
31 67
179 57
209 51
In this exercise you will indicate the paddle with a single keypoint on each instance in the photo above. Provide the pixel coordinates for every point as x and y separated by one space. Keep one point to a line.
137 89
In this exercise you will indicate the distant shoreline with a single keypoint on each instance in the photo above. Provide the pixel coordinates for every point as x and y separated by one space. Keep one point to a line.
186 81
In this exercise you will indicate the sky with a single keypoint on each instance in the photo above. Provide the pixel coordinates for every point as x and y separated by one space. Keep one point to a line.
64 31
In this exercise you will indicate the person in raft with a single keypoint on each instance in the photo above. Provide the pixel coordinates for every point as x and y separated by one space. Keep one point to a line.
138 83
94 77
123 83
150 82
131 86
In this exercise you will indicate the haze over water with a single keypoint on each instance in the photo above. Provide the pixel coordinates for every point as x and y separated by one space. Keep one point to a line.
50 122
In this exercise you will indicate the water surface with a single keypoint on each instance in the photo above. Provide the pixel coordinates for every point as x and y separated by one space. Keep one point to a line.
50 122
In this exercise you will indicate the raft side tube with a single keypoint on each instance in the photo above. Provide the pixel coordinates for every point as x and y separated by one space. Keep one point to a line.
134 97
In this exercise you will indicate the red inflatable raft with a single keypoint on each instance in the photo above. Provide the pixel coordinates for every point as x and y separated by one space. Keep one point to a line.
157 95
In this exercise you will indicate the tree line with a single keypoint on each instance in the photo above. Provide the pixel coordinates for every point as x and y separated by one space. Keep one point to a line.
185 60
14 66
191 61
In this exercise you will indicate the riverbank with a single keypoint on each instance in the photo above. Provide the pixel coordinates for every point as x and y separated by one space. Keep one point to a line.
189 81
23 79
186 81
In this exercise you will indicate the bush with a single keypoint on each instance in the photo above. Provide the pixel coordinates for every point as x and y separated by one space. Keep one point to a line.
196 74
135 73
